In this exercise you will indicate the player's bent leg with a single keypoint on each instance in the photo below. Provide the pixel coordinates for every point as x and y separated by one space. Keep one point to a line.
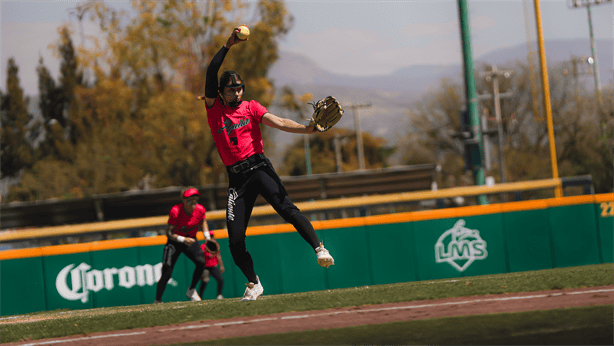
196 254
204 280
243 259
169 258
274 192
303 227
239 208
217 274
167 271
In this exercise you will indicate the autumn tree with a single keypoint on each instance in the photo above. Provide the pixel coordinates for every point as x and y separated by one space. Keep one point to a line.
162 55
71 77
322 148
138 120
16 148
581 139
53 173
432 121
55 144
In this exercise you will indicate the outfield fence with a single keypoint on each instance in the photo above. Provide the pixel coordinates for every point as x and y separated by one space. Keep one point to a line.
401 247
331 209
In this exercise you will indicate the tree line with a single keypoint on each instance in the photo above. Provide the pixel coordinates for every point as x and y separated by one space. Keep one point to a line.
583 129
124 114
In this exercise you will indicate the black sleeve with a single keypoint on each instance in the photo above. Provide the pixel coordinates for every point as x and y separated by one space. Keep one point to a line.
214 66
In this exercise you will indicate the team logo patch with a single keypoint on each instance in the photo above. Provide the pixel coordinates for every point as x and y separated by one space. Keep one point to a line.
460 246
229 126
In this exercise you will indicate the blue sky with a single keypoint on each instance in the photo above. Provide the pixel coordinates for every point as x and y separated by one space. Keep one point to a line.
369 37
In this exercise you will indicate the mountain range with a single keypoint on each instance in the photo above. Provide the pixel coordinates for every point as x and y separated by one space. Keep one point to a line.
296 70
391 95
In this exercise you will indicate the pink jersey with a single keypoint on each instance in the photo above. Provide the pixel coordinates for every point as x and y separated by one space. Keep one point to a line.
186 225
210 260
235 130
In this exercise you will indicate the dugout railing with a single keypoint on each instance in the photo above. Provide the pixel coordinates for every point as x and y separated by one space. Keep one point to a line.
154 202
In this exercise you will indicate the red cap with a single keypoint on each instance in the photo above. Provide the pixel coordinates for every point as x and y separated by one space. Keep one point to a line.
190 192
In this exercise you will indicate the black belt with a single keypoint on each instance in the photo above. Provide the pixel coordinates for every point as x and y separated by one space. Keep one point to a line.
250 163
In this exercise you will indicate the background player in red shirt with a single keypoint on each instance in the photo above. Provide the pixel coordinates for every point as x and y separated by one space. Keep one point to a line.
184 221
213 258
234 126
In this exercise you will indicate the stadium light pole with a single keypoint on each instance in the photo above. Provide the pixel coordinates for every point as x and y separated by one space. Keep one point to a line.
588 3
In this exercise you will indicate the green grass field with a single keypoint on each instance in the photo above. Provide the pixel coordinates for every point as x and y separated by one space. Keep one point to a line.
563 325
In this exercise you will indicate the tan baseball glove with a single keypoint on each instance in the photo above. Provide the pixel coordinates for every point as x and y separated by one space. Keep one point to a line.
326 113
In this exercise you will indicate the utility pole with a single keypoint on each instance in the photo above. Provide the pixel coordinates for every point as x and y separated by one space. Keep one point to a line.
474 144
486 131
493 76
359 146
337 152
588 3
338 141
307 154
485 143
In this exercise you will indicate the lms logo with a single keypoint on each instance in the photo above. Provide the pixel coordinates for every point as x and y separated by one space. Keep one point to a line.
460 246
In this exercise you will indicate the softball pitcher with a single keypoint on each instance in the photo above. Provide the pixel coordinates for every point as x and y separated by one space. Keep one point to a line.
234 126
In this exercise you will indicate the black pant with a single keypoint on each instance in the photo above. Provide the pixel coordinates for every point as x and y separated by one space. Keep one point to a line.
172 250
217 274
243 189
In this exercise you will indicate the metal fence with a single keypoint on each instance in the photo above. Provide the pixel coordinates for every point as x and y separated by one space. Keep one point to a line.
339 208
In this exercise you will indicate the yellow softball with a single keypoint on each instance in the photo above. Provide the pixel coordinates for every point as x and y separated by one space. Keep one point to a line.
244 33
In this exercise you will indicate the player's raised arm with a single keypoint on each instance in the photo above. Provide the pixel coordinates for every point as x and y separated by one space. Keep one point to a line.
211 82
287 125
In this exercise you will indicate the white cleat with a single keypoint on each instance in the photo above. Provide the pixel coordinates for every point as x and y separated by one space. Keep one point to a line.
193 295
252 291
324 258
220 297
